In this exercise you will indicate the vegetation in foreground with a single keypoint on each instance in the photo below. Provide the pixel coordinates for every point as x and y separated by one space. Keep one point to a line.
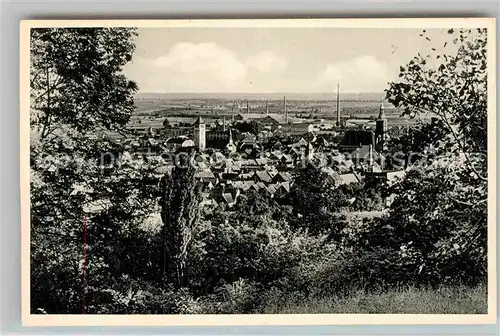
446 300
264 254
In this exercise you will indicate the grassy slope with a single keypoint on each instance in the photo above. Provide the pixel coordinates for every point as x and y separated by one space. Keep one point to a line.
403 301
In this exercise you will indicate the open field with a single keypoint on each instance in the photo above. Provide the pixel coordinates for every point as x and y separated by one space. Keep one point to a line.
152 110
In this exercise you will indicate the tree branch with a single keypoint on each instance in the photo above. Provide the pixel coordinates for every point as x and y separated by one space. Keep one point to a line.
457 139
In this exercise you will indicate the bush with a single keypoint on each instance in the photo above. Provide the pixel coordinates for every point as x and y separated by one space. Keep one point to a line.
239 297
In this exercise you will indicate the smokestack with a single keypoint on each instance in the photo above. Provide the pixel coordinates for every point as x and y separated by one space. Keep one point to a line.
232 112
224 124
285 109
267 106
338 104
248 108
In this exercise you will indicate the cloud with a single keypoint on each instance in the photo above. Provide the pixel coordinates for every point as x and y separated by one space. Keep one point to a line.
206 67
203 61
267 62
362 74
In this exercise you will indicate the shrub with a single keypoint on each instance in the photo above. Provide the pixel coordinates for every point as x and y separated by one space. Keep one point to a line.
239 297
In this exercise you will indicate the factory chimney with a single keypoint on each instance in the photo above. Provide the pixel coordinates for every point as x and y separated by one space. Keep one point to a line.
285 110
338 104
248 108
267 106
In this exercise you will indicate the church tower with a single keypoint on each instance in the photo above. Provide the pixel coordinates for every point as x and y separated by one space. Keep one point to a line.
200 130
381 129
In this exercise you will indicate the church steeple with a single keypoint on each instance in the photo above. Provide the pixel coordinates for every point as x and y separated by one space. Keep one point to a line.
381 114
381 129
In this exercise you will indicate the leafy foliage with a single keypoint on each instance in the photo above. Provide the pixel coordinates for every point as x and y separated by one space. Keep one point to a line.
315 201
454 90
76 78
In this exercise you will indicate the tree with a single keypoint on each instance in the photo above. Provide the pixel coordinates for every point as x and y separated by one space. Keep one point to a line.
454 90
77 91
439 216
76 78
315 201
166 123
417 144
180 214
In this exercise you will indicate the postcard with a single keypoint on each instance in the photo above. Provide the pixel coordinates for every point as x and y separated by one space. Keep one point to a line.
258 172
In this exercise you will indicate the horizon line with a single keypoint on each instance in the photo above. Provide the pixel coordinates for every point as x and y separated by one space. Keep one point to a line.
277 92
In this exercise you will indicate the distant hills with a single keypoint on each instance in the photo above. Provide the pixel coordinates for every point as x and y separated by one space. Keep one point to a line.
363 96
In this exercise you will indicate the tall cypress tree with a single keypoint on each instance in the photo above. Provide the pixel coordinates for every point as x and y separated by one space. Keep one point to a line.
180 213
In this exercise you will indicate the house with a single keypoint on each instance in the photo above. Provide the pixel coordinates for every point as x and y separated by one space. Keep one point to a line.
257 186
231 167
321 142
349 178
386 176
271 189
302 143
229 200
363 153
282 189
276 146
262 176
333 176
248 146
341 163
242 185
394 176
262 162
246 176
247 185
286 162
281 177
250 164
275 155
175 143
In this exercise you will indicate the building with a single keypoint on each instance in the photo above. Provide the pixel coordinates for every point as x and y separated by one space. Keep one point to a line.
171 132
200 130
218 138
297 128
381 129
174 143
354 139
270 119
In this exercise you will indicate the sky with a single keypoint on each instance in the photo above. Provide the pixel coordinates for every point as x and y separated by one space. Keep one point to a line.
267 60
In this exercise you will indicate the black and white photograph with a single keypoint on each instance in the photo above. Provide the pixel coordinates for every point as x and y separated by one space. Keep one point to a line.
259 167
